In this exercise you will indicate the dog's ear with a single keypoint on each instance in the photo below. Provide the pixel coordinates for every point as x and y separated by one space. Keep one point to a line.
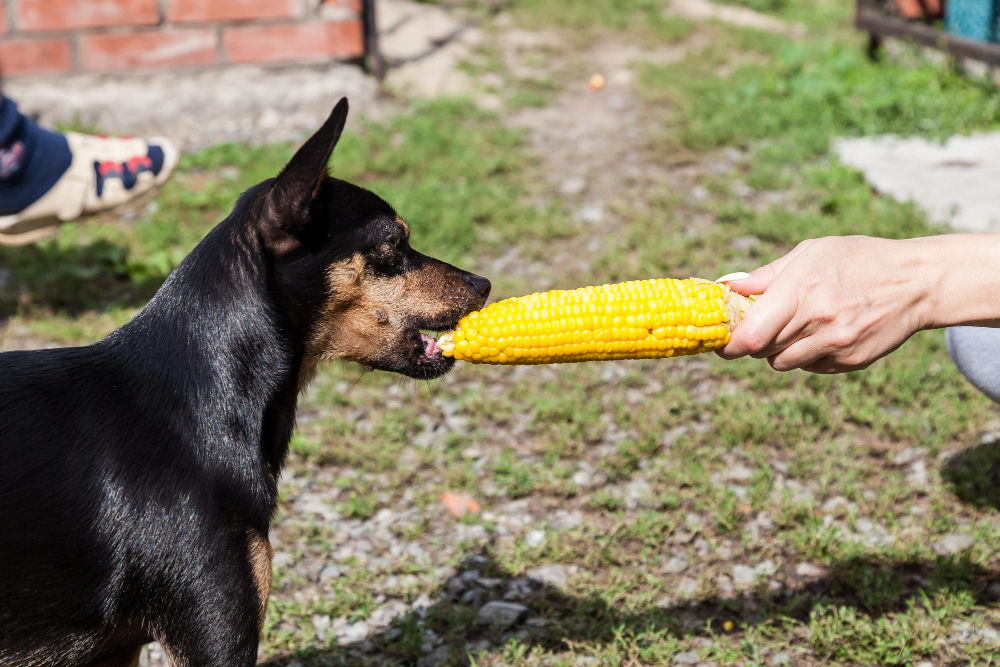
290 200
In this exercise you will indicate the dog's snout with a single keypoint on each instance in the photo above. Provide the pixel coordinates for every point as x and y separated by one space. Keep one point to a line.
479 284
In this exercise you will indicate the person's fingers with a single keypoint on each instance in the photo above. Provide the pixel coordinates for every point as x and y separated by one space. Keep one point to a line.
757 282
764 321
799 354
760 279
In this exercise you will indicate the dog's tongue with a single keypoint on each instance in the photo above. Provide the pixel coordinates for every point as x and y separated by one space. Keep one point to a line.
431 346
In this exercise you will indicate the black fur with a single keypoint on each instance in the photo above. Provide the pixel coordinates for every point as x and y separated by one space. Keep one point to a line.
135 468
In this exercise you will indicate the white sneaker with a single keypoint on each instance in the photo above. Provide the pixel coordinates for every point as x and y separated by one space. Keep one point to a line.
105 173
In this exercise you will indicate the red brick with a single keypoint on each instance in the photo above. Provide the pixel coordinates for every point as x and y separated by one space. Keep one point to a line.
39 15
35 56
299 41
205 11
149 49
353 5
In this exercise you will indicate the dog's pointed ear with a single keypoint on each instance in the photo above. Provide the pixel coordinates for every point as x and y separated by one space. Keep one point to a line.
292 195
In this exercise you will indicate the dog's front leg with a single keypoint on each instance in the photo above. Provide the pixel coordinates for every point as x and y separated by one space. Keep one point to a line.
221 616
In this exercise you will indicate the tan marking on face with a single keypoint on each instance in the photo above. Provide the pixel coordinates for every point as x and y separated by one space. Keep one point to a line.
366 317
260 554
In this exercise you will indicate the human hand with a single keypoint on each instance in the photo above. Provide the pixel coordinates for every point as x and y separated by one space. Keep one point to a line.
834 304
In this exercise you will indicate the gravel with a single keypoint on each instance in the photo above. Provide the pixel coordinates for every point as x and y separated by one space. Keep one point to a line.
549 575
744 575
501 614
686 658
953 544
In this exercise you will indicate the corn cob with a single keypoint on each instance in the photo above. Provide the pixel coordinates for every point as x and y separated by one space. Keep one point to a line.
639 319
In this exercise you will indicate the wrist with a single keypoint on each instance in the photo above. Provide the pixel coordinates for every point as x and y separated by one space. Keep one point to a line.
956 279
923 268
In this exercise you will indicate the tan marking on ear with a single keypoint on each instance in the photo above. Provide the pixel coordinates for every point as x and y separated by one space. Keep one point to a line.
260 553
404 224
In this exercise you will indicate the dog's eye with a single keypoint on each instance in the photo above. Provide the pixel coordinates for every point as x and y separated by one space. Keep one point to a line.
395 244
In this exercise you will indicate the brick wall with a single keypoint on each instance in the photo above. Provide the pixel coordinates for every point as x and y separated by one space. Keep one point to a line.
59 36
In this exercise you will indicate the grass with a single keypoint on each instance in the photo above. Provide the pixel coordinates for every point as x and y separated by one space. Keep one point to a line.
619 471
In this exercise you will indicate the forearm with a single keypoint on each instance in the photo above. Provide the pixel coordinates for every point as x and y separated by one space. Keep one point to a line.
958 277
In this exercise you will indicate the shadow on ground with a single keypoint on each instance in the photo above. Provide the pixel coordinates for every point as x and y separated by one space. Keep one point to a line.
74 277
974 475
557 621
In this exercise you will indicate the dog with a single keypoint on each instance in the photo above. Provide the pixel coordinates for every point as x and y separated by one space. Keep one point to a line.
140 472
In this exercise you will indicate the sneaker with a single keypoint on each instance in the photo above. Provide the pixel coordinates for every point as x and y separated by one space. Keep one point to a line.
105 173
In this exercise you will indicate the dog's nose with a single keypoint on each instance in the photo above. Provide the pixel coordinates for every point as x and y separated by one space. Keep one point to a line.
478 283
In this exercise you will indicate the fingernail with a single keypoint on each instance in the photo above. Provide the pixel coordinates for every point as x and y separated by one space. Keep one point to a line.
729 277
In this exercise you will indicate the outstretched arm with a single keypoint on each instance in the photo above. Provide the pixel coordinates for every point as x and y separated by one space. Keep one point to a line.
838 304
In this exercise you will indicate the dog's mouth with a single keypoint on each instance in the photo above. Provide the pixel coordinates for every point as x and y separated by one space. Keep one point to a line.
424 358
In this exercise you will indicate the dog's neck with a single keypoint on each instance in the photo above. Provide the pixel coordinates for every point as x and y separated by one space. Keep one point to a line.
233 364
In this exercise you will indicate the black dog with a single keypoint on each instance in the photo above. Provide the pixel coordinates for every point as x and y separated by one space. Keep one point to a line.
140 472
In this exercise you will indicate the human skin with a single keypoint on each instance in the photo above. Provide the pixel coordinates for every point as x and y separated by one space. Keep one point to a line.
838 304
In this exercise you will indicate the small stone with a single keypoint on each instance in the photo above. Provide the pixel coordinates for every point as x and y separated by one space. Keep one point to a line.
583 478
917 475
281 559
472 597
833 505
321 624
330 572
687 587
781 658
489 582
686 658
637 492
905 457
739 473
478 646
741 189
439 657
744 575
992 591
572 186
698 193
354 632
953 544
725 584
454 587
765 568
682 537
809 570
549 575
501 614
676 565
670 438
864 526
592 214
534 538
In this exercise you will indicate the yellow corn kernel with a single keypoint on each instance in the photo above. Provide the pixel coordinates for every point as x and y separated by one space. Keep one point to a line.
633 320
